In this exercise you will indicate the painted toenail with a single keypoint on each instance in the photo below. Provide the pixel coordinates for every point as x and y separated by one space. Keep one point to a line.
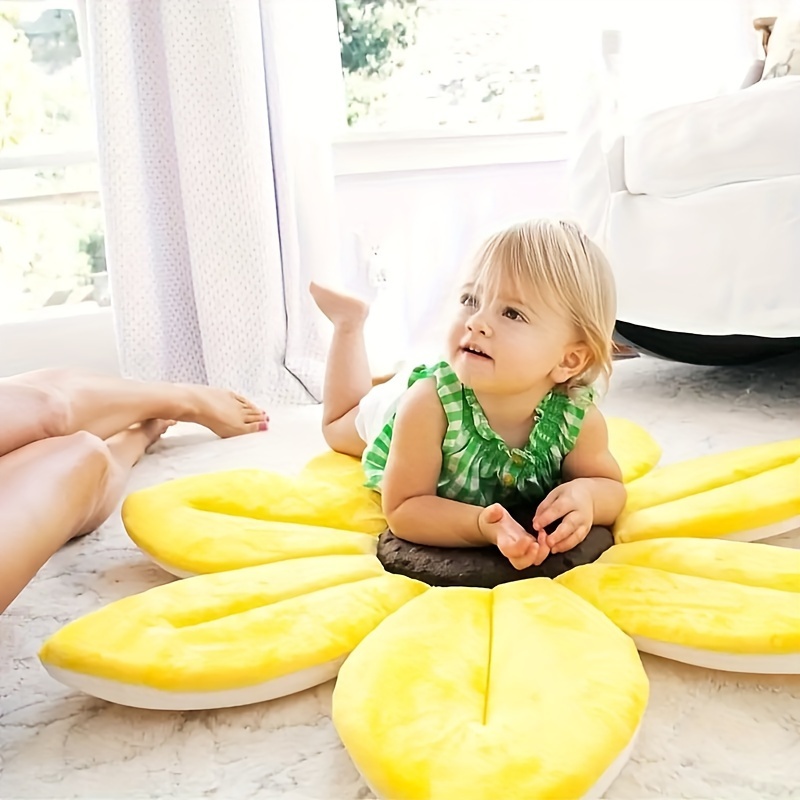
262 426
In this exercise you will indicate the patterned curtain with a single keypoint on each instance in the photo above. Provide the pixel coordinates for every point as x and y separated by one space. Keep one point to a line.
215 211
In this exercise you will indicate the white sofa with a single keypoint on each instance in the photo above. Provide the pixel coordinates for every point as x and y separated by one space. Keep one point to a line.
702 225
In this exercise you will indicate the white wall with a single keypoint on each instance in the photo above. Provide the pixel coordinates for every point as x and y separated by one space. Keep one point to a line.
425 225
772 8
84 340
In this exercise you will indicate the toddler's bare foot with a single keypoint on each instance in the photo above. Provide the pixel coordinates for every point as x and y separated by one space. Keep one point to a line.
343 310
223 412
512 540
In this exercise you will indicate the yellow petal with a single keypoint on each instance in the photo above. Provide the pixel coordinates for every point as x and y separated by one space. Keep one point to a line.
750 494
725 605
634 448
228 520
744 563
523 691
229 638
336 468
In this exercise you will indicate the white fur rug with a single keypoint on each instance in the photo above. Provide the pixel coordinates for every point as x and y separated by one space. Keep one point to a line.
706 734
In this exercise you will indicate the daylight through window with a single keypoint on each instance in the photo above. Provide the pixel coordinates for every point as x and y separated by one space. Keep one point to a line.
425 64
52 250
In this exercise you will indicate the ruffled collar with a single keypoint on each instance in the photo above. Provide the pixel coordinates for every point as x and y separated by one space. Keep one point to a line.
546 424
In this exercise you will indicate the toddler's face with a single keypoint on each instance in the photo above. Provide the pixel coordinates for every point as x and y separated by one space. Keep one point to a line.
509 344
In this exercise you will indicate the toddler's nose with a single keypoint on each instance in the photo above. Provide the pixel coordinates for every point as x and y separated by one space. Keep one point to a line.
477 324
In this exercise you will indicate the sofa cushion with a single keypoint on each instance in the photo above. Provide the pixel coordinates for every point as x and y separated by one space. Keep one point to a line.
748 135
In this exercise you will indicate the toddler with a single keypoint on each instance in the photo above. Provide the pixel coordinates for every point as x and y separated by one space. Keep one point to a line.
508 419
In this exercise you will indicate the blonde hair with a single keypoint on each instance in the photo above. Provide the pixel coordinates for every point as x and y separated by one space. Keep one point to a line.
568 270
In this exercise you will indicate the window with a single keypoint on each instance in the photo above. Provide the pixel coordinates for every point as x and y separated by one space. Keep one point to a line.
52 256
433 64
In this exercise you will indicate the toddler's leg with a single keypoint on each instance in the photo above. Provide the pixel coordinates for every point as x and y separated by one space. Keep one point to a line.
347 373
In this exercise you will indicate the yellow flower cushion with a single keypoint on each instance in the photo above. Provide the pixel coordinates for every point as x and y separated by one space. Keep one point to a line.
710 602
231 638
522 691
227 520
746 494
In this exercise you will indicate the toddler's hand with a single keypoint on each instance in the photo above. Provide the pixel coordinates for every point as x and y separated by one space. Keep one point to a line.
513 541
572 504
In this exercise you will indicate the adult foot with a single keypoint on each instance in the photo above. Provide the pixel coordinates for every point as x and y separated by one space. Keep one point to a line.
152 430
223 412
512 540
128 446
343 310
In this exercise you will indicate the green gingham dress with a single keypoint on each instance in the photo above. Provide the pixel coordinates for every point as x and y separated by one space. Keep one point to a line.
478 467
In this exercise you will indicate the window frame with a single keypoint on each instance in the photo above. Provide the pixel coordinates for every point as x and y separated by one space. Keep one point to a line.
482 145
370 153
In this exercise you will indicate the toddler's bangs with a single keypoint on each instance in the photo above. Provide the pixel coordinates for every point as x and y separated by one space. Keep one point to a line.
503 264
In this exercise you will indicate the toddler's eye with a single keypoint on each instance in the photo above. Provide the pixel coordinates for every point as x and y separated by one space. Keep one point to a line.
513 314
468 300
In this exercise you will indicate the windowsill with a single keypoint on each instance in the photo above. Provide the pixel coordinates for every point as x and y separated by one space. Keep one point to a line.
47 313
363 153
61 336
56 160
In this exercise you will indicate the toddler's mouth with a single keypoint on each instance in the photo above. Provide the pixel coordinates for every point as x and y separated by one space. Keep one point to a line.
471 350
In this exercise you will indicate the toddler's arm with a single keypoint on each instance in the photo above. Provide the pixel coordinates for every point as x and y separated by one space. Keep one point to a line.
591 461
592 494
410 481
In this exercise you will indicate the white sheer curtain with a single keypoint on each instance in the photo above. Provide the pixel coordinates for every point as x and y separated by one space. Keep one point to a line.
218 195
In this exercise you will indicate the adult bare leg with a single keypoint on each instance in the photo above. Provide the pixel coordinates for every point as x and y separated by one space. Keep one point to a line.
58 488
347 373
59 402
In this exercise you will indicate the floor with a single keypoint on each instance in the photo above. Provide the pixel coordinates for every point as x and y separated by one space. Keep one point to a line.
706 734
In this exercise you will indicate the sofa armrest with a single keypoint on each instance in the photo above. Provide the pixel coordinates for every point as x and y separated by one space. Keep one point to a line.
748 135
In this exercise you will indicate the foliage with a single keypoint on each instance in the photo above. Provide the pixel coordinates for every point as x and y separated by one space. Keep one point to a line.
53 38
371 34
94 245
40 251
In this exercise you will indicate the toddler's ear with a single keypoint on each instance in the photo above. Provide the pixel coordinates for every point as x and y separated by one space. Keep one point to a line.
574 362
